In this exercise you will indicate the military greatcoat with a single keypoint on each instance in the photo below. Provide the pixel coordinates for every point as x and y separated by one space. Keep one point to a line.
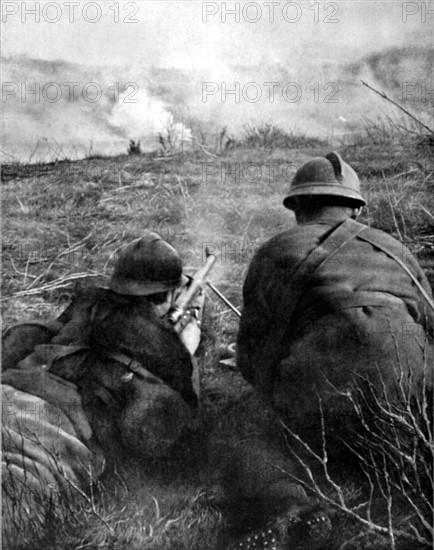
107 377
311 336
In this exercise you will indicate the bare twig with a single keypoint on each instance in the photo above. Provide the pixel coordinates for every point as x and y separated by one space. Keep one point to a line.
193 138
62 282
426 211
395 453
387 98
392 209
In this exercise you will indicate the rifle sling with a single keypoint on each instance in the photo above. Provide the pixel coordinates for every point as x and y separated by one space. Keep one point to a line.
134 366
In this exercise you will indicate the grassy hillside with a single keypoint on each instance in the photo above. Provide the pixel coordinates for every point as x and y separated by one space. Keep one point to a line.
62 222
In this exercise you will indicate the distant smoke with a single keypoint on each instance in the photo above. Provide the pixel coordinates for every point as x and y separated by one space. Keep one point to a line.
60 108
141 103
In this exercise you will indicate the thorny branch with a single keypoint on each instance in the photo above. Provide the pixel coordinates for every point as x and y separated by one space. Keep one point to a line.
396 456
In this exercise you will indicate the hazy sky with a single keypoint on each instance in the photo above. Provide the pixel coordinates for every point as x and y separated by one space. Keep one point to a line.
183 34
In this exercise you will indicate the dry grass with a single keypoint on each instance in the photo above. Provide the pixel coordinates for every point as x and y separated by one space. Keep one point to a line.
62 224
268 135
135 509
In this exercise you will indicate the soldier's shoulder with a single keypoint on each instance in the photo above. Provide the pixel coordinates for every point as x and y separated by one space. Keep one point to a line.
283 241
384 239
290 246
83 300
92 294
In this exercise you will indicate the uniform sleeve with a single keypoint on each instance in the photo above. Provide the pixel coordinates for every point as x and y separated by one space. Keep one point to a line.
255 319
265 332
148 340
418 306
398 281
425 312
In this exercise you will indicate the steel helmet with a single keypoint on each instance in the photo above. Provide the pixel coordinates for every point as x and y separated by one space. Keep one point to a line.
147 266
328 175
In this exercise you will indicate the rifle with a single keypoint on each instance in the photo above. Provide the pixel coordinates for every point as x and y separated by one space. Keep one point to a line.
179 313
179 309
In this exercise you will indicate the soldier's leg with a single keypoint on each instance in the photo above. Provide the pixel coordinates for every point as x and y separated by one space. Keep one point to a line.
248 451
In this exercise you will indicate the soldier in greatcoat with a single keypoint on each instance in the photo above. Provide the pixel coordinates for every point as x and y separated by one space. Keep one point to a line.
331 299
337 315
109 376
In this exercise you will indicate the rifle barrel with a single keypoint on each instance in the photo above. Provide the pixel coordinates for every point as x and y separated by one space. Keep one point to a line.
223 298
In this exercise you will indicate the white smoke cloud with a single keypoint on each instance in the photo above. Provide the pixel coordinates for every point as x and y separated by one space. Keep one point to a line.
147 117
